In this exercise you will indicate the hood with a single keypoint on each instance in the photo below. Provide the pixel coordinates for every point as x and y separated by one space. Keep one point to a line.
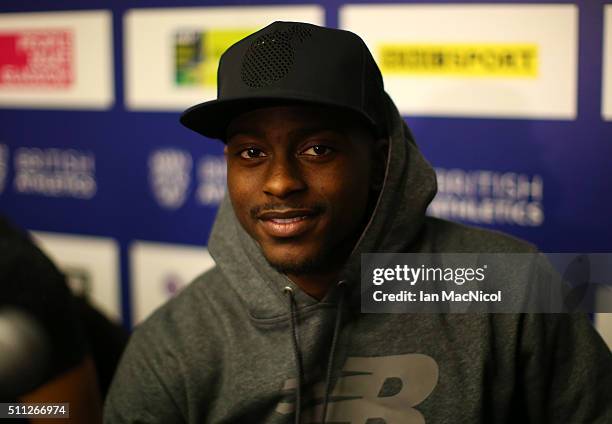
408 188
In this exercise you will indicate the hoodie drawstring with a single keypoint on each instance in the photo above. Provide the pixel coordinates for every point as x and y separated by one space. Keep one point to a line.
298 356
296 351
332 350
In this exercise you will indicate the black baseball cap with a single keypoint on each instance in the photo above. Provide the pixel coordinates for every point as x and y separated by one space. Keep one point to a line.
292 62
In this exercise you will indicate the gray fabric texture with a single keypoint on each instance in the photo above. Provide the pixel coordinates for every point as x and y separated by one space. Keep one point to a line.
221 350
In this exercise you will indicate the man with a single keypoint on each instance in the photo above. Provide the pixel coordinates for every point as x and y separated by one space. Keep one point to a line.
321 168
45 353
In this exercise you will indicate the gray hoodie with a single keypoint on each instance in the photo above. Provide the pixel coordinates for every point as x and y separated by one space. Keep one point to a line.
234 346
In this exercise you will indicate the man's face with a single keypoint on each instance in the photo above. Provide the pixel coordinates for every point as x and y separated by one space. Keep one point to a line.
299 179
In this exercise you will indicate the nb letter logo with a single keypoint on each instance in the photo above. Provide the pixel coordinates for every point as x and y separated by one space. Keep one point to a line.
385 388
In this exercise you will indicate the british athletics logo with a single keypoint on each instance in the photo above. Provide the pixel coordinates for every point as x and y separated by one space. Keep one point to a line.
43 58
170 176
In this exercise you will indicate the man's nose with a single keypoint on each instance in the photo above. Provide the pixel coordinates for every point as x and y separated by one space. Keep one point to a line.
283 178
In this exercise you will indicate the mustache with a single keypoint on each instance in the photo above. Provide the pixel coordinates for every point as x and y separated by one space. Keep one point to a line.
316 208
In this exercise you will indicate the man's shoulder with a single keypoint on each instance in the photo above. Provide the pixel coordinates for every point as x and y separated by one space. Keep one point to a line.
441 235
189 310
177 345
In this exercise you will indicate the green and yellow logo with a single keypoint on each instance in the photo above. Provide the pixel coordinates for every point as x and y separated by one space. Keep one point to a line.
197 54
460 60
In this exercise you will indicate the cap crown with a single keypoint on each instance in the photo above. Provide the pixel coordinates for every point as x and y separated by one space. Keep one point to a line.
295 61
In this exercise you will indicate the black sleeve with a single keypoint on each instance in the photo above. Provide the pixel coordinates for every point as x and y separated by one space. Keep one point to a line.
32 284
106 340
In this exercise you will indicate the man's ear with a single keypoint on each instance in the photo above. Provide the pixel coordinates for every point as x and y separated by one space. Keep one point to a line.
225 150
379 163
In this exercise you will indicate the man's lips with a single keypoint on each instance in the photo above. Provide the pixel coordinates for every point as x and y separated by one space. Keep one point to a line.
287 223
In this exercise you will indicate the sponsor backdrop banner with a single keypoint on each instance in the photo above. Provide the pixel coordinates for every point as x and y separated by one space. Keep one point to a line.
514 61
62 60
511 101
171 55
159 271
91 265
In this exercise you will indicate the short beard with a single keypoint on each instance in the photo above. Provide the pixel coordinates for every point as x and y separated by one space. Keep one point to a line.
330 258
314 265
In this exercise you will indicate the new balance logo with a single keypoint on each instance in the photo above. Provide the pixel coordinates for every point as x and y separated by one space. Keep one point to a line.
384 388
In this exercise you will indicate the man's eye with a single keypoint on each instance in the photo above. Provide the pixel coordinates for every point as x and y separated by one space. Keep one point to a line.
317 150
252 153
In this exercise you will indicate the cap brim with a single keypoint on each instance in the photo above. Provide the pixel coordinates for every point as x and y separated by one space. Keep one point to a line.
212 118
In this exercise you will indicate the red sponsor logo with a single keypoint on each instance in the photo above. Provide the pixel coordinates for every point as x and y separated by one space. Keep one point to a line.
36 58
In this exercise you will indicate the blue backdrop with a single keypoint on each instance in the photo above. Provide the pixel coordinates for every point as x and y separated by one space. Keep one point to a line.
573 157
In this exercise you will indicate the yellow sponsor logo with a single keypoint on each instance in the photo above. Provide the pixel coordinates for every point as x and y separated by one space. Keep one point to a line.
198 53
461 60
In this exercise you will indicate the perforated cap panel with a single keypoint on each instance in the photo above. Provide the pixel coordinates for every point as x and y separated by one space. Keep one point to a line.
289 62
270 57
